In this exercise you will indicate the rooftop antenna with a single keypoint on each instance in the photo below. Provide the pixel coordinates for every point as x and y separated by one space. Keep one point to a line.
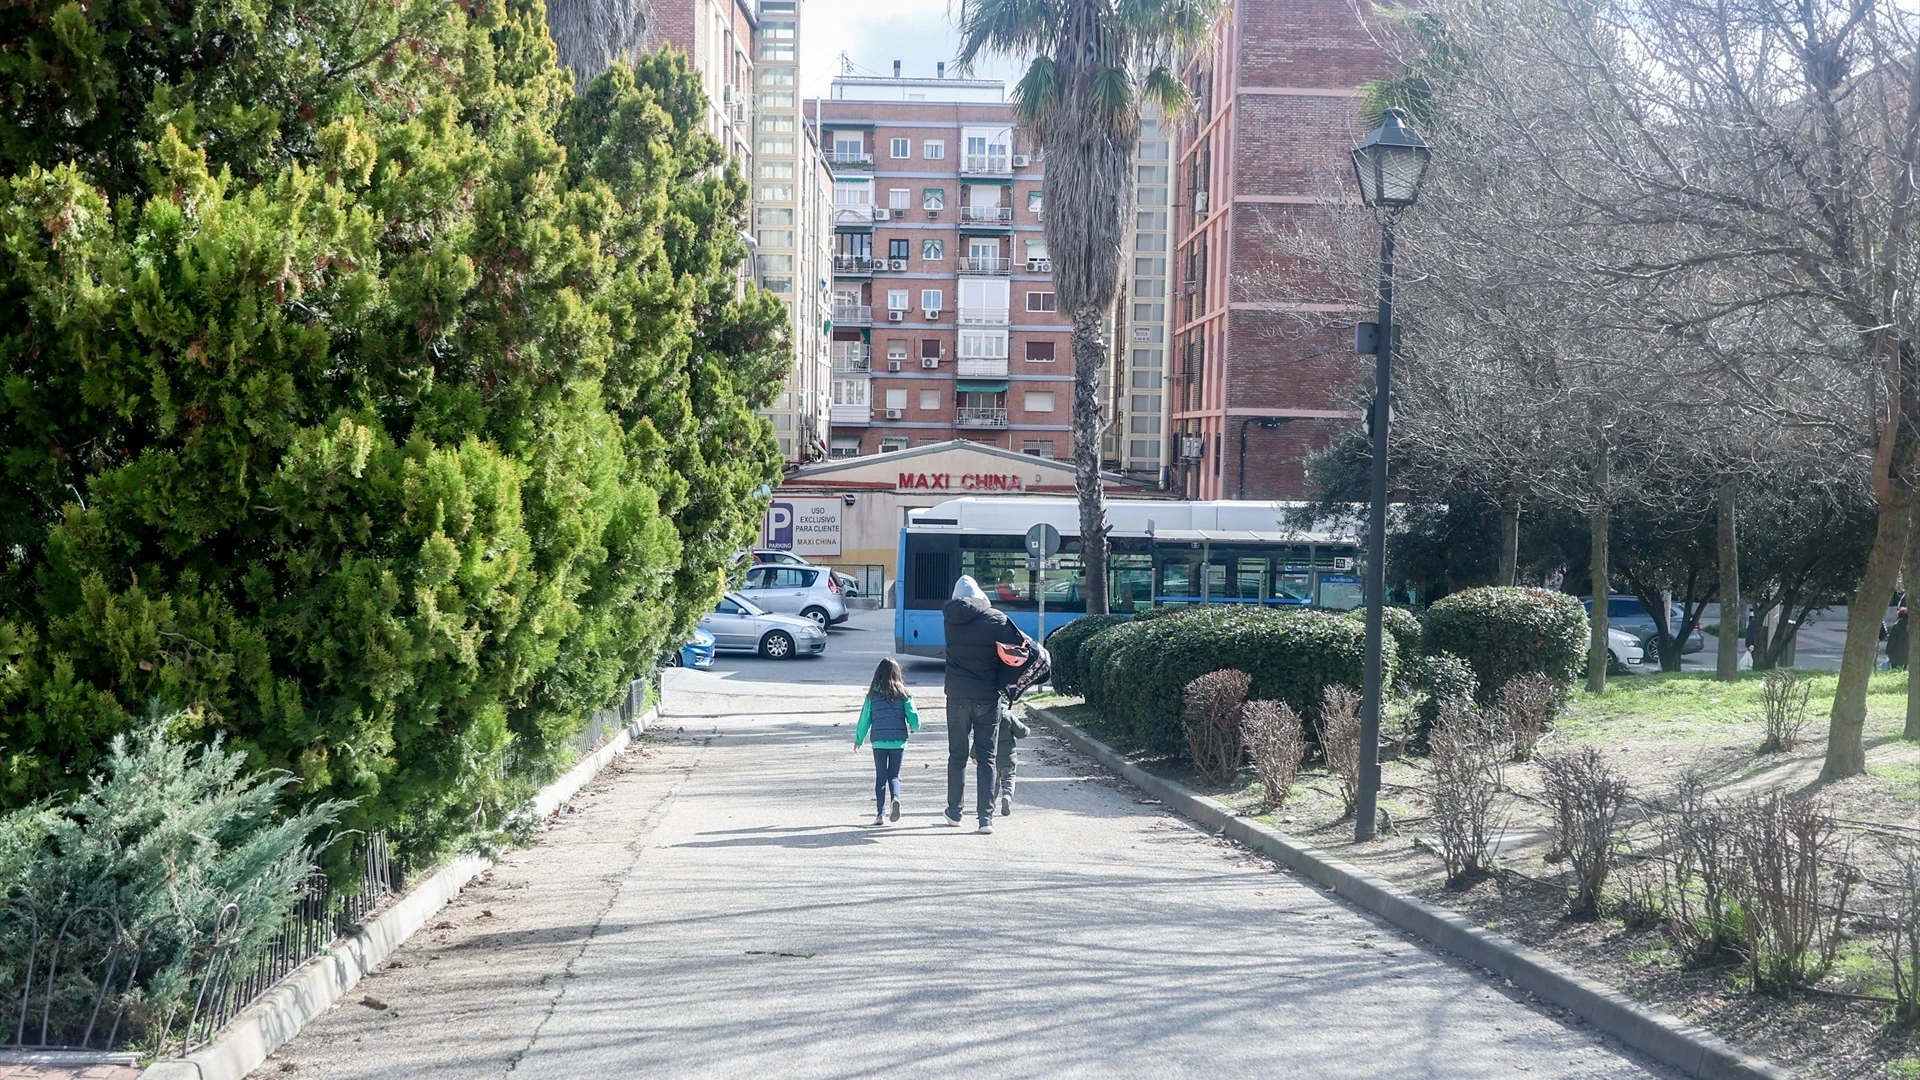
846 63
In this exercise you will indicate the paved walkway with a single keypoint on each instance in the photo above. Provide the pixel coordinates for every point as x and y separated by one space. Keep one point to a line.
716 909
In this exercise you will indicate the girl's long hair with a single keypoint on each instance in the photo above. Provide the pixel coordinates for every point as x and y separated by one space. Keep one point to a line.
888 682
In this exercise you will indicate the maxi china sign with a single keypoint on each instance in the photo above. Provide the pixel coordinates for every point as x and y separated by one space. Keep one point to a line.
964 482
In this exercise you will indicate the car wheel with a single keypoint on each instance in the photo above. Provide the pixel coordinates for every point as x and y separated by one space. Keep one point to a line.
818 615
1614 666
676 659
777 645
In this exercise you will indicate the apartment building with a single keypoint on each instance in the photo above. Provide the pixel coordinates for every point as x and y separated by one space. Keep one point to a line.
1276 113
1138 395
720 37
944 321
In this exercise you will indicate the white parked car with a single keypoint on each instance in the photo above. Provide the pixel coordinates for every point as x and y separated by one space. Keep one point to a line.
1624 651
740 625
810 592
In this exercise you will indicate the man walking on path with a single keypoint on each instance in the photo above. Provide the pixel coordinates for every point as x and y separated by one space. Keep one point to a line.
975 632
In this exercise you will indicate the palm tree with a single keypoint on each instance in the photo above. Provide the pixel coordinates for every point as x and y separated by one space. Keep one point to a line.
1090 64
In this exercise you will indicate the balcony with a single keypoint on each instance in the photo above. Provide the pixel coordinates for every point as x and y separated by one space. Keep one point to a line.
980 367
1039 266
850 159
984 267
850 415
857 216
851 356
980 316
977 417
986 215
987 164
852 315
856 265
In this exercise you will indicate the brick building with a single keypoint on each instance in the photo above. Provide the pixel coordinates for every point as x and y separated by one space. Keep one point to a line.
944 321
1276 113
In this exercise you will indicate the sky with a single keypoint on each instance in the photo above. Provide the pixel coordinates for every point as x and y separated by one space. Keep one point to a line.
875 33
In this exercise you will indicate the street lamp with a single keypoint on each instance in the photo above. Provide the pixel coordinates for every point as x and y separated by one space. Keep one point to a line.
1390 165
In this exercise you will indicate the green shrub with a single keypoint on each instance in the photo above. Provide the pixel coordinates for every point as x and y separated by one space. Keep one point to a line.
1401 625
1067 647
1437 680
1503 632
1291 656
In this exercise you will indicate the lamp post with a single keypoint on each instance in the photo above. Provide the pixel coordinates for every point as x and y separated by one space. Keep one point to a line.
1390 165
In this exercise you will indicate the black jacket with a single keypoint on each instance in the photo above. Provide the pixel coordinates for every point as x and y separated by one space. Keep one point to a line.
974 630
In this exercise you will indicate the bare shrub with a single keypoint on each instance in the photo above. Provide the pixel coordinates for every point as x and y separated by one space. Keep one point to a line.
1467 750
1698 864
1791 887
1900 926
1529 701
1783 709
1212 720
1588 799
1340 739
1276 743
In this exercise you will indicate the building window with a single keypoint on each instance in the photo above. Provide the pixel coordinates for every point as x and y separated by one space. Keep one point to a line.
1040 301
1150 267
777 284
776 238
897 399
897 348
897 299
777 147
1146 403
1153 174
776 99
1153 196
1140 424
892 444
844 446
933 198
774 50
1039 401
1146 358
1039 352
1149 312
776 264
1038 447
1146 449
776 192
901 148
776 170
776 76
929 348
930 299
1036 201
1151 219
778 125
933 250
849 391
1155 149
1149 241
1146 380
899 198
778 31
933 149
1150 287
897 247
771 215
929 401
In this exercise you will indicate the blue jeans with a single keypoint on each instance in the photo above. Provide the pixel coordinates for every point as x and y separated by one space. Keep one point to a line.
886 776
973 728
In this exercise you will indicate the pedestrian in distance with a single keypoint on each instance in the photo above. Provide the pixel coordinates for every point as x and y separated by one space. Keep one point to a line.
975 705
1898 638
889 718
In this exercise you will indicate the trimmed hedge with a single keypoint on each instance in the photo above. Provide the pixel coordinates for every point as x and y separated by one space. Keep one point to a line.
1502 632
1401 625
1291 656
1067 645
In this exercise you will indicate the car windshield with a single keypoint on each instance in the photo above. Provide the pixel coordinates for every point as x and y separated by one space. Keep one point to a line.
746 605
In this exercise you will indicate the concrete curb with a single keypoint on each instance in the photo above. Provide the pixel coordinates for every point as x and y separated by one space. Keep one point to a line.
1661 1036
312 988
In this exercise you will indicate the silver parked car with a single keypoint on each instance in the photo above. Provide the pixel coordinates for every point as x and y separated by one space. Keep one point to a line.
810 592
849 586
740 625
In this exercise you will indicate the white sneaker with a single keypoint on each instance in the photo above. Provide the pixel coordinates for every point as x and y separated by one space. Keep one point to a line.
893 809
879 819
1006 803
986 828
951 820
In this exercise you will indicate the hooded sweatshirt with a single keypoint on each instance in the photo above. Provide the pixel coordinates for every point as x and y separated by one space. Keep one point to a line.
974 630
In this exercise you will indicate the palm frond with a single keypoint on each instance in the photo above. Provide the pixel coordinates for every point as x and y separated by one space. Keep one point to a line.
1037 95
1164 88
1017 28
1110 92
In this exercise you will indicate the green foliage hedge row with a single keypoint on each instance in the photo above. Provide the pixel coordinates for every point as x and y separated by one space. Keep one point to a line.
1401 625
1504 632
362 387
1066 648
1136 671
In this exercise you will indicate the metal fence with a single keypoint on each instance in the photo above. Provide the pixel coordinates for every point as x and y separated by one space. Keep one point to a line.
869 580
605 723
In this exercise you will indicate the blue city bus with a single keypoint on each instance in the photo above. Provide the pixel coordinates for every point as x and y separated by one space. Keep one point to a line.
1163 552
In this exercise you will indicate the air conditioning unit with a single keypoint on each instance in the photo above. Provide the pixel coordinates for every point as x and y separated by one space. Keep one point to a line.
1199 202
895 414
1021 161
1190 447
893 365
929 362
896 264
932 213
896 315
932 313
881 213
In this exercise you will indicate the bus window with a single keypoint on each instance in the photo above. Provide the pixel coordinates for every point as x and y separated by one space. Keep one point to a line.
1293 575
1177 573
1001 574
1132 583
1065 582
